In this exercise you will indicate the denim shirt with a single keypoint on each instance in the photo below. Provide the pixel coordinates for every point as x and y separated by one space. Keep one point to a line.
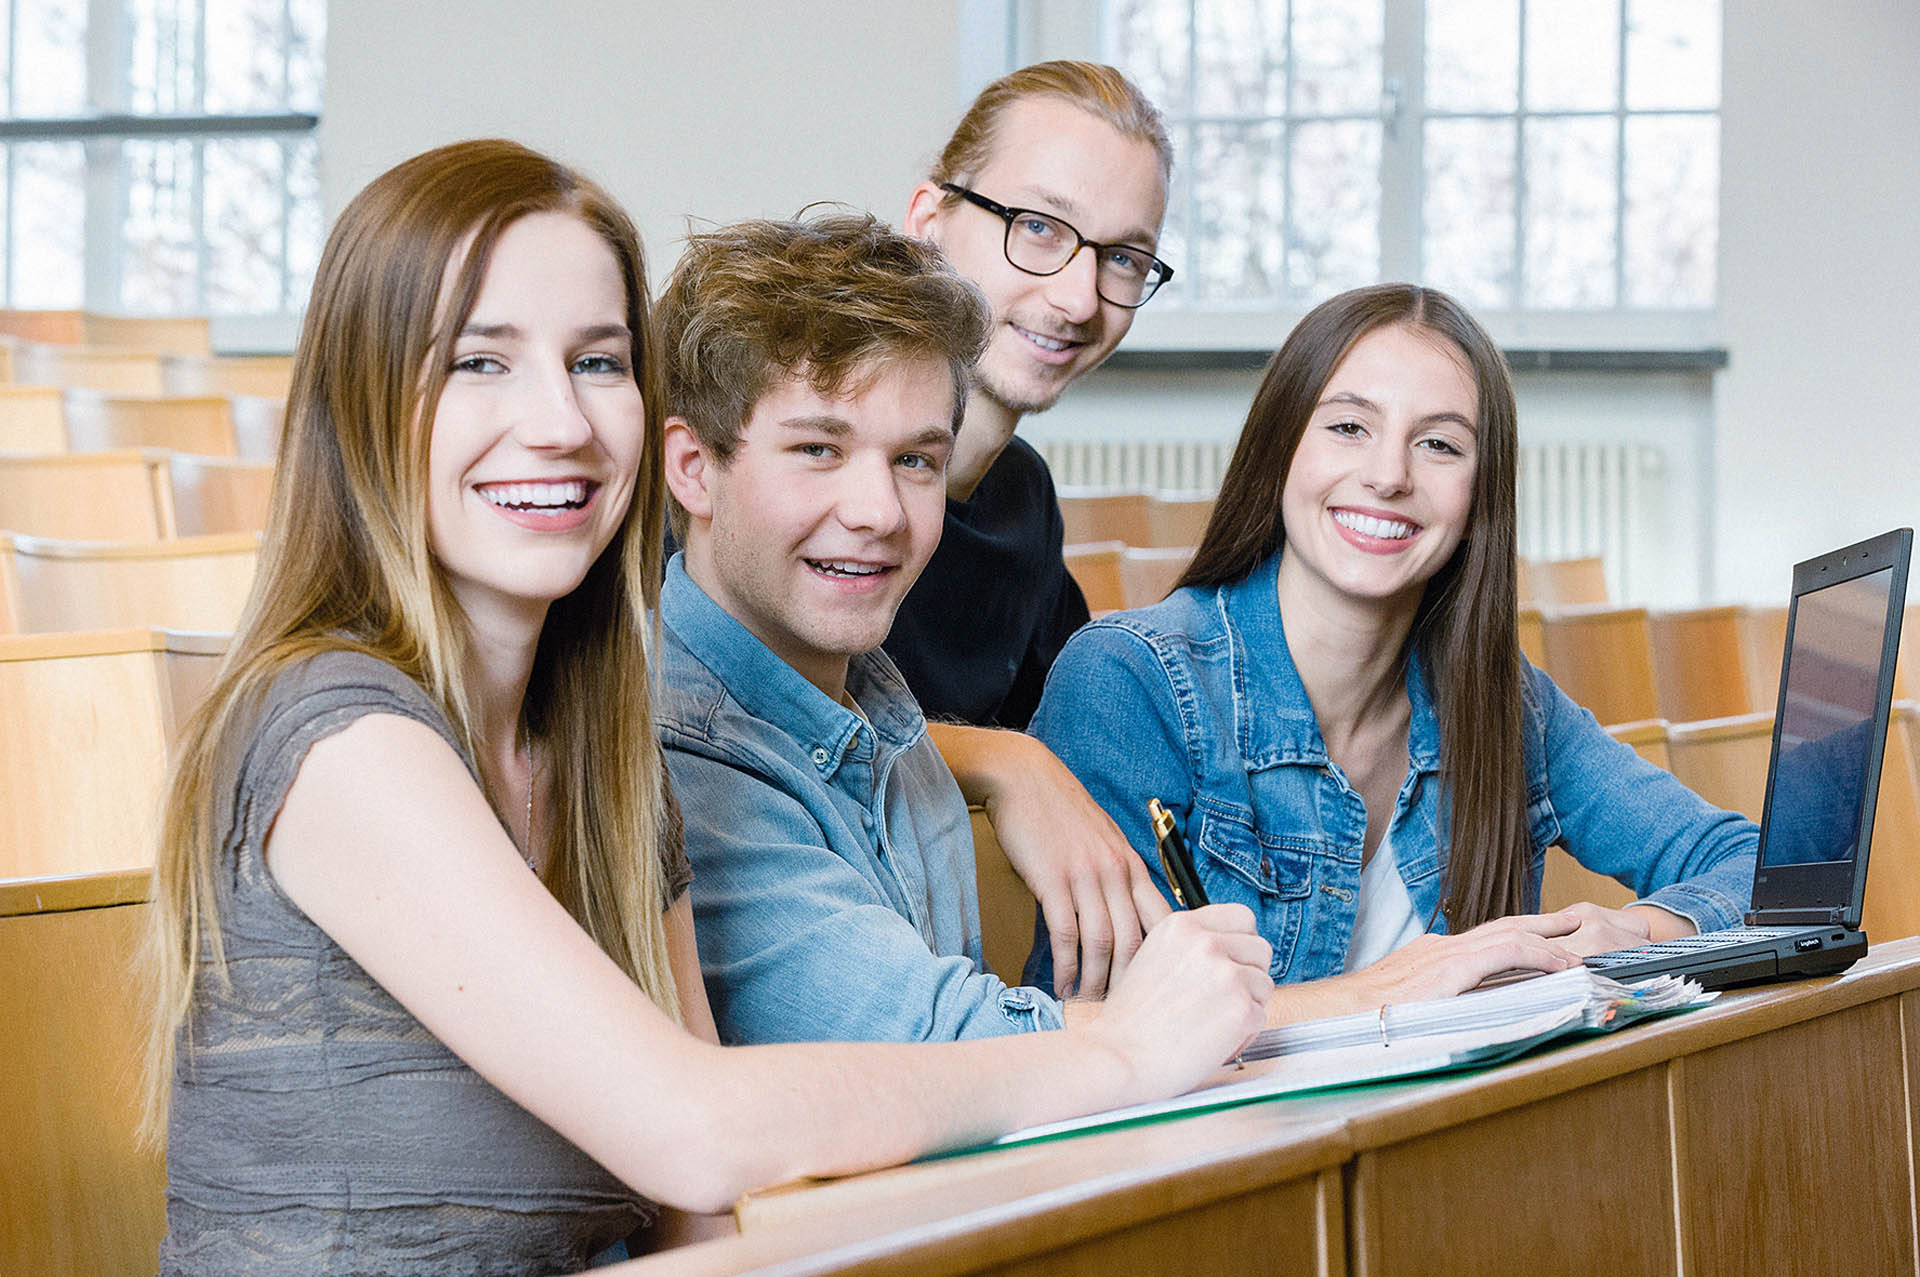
833 892
1196 701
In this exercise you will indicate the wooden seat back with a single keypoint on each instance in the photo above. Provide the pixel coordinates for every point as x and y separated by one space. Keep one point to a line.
1763 645
1600 657
78 1193
190 583
1533 643
1104 514
1699 664
201 424
260 376
162 334
1178 518
1147 573
1007 908
87 723
32 419
1567 582
124 372
63 326
1724 760
107 496
1095 568
257 425
1892 907
210 495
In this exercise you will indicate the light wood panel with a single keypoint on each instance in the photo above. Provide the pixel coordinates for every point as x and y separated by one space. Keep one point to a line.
1567 582
264 376
1892 907
1100 514
1007 908
1096 570
192 583
1795 1151
1148 573
162 334
257 424
43 325
1600 657
210 495
106 496
1444 1203
1725 760
1533 643
1699 664
1763 646
126 372
86 727
201 424
32 419
1178 518
78 1195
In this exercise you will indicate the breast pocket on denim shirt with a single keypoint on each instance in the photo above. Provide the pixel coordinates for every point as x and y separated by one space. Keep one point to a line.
1235 866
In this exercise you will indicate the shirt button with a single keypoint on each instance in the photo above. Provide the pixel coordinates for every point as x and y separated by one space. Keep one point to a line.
820 756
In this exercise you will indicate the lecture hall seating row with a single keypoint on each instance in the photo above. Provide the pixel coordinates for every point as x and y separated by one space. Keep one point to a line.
132 495
48 419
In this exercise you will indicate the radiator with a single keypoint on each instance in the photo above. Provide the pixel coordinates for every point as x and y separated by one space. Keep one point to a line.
1582 499
1575 499
1186 465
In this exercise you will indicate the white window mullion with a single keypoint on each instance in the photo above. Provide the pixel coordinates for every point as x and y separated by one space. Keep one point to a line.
1402 144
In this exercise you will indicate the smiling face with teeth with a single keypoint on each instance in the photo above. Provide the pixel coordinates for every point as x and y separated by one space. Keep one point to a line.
1379 491
813 530
538 432
1051 155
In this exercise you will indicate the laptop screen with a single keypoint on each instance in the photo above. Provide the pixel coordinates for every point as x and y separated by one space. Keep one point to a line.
1826 728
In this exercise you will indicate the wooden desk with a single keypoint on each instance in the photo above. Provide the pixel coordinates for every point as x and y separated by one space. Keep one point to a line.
1769 1133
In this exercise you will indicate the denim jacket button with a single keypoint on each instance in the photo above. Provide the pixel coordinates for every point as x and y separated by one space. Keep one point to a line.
820 756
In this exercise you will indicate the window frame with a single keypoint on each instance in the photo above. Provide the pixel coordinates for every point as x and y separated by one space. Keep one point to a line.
103 129
1076 28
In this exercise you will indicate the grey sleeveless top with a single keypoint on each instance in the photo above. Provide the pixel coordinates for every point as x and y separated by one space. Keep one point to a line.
316 1126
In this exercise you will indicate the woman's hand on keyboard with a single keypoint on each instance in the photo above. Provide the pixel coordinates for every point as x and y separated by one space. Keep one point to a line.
1598 929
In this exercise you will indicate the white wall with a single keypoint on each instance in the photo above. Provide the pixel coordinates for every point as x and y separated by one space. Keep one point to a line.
728 109
1817 418
719 110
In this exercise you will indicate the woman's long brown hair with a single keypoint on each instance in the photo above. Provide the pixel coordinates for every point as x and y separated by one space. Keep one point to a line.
346 565
1465 630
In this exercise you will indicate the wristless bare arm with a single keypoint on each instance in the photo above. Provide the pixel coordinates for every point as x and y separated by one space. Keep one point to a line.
387 844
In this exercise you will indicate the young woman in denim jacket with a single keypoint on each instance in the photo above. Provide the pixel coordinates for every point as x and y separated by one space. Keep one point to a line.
1334 706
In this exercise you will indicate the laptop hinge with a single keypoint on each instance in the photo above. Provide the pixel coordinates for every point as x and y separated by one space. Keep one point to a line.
1797 917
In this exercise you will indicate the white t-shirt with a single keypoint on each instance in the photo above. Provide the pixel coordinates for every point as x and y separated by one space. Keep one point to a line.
1383 916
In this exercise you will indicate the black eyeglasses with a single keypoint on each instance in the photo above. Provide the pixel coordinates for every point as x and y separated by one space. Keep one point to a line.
1042 244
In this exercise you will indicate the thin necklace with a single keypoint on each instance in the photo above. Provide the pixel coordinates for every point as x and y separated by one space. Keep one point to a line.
532 778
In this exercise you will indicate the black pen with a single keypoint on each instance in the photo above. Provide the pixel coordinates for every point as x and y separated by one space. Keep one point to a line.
1175 859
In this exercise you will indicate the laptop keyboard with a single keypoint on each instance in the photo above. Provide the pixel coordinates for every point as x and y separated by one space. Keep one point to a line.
1722 939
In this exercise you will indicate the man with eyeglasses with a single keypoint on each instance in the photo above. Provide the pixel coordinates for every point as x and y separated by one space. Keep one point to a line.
1049 196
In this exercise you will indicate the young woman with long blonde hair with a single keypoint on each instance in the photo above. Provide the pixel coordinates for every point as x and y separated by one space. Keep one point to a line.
422 955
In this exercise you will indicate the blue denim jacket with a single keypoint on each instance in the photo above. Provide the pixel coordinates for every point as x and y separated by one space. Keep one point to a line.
833 890
1195 701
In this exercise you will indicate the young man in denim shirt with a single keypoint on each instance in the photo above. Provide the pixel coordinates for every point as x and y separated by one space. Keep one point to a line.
818 374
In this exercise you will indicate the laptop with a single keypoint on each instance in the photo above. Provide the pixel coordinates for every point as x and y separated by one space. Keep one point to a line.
1823 780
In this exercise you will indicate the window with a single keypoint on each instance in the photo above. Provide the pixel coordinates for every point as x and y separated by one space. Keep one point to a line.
1554 163
158 156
